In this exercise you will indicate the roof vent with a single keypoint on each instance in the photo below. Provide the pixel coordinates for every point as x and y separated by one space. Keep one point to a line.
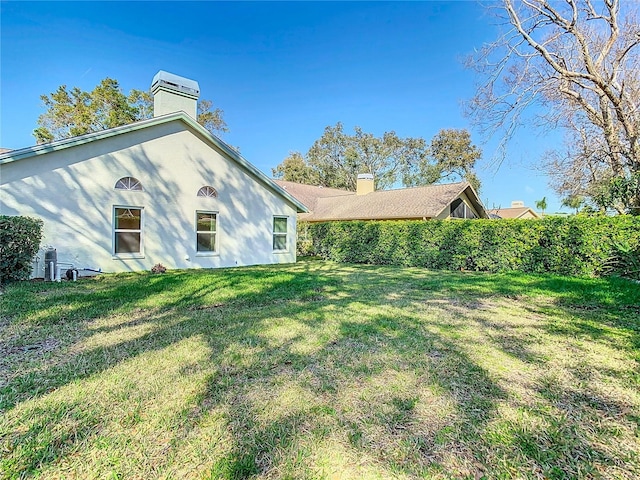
175 82
172 93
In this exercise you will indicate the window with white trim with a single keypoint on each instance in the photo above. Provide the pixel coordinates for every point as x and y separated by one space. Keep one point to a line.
206 228
129 183
207 191
127 230
280 233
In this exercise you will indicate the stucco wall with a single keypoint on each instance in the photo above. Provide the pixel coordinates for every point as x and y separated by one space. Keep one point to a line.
72 190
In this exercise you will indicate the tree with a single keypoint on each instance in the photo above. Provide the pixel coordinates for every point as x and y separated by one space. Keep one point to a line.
75 112
336 159
542 204
294 168
576 63
454 157
574 201
211 119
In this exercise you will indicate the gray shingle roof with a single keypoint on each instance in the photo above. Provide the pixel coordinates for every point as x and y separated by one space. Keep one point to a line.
326 204
309 194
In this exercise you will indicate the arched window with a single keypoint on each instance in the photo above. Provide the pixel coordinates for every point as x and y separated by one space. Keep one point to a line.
208 191
129 183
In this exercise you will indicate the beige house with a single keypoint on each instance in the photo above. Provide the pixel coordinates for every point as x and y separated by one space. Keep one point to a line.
454 200
517 211
162 190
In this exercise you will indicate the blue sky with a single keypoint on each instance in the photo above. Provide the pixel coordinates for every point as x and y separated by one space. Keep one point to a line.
281 71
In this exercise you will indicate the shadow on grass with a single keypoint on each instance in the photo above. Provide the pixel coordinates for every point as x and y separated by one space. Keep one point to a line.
231 308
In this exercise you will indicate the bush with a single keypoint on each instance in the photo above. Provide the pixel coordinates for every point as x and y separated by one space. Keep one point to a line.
158 268
19 242
566 246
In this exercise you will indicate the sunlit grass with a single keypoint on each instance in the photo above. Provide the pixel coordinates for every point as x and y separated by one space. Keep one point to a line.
318 370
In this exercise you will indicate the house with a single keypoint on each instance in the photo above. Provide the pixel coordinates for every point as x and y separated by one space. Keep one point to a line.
453 200
517 210
162 190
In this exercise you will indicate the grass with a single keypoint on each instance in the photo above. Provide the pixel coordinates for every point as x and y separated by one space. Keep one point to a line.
319 370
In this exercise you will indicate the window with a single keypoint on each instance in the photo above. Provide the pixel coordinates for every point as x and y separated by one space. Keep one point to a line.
459 209
127 230
129 183
280 233
206 231
207 191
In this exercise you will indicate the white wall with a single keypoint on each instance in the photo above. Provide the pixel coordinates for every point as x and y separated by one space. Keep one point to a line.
72 190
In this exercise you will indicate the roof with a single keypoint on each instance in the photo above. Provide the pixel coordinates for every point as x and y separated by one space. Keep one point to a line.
326 204
513 212
309 194
16 155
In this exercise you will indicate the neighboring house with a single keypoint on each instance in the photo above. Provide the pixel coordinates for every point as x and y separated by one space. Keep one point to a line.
162 190
454 200
517 210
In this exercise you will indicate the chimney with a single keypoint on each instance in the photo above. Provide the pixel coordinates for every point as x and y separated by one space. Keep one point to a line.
365 184
517 204
172 93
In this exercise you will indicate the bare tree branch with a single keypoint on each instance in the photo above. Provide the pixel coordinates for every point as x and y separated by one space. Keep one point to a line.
575 65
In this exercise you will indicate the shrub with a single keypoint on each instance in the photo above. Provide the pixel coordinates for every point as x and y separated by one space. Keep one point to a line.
158 268
566 246
19 242
304 244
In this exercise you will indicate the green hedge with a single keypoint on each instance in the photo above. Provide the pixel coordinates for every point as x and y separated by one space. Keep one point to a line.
19 243
566 246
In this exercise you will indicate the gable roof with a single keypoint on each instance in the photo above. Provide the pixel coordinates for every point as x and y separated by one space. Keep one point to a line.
513 212
327 204
309 194
42 149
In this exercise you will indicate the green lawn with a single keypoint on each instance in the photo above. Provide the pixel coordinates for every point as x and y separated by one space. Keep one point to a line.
320 370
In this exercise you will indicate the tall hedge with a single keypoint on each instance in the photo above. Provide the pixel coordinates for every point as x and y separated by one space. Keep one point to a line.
19 243
567 246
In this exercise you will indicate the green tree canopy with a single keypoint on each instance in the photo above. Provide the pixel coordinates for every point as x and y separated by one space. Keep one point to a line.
574 202
72 112
336 159
294 168
542 204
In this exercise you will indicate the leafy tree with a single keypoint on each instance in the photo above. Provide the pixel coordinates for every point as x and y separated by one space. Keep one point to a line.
210 118
142 100
75 112
573 201
454 157
576 62
619 191
336 159
542 204
294 168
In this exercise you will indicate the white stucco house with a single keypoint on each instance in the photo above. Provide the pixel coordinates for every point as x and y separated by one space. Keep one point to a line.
162 190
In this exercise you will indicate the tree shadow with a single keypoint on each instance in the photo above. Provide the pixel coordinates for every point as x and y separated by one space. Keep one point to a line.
358 374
